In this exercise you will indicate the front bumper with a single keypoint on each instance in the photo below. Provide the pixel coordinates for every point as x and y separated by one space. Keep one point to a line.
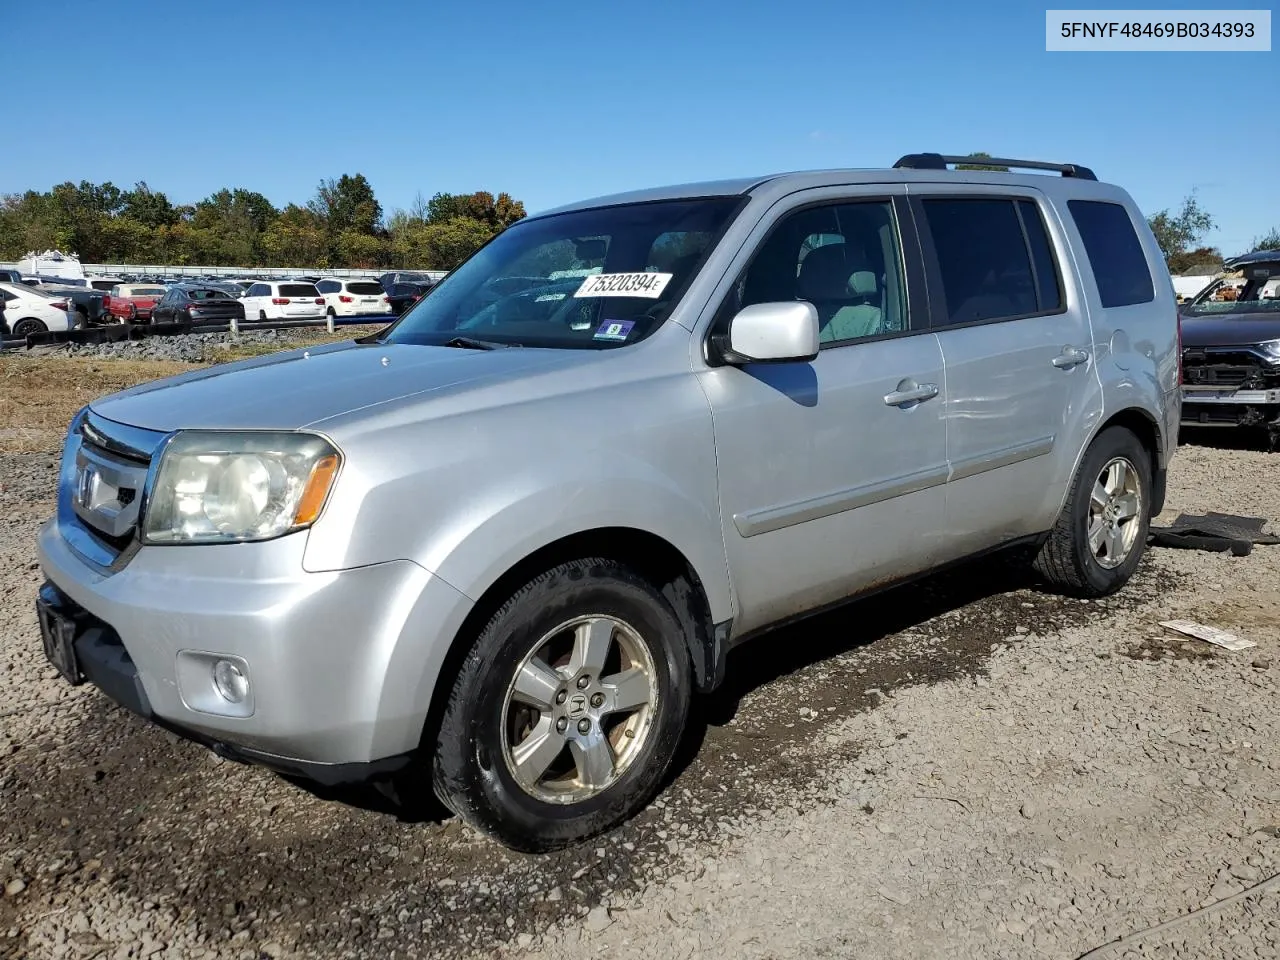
1226 407
342 664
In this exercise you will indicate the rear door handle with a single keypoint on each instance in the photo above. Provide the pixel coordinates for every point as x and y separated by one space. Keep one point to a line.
1070 357
909 393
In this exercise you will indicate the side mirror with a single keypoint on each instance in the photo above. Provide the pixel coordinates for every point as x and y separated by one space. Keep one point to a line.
773 333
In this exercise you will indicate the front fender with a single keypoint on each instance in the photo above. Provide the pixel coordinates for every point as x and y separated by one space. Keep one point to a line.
473 551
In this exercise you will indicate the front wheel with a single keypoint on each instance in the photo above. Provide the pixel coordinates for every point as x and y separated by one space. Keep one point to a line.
568 709
28 325
1099 539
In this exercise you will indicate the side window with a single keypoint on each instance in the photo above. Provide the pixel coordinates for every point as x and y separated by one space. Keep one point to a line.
985 261
845 259
1114 251
1044 264
257 290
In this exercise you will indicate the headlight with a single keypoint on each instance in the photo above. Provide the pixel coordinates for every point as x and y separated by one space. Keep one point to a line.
1271 348
219 487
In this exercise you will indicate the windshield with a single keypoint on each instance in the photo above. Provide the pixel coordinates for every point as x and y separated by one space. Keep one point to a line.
1259 293
591 279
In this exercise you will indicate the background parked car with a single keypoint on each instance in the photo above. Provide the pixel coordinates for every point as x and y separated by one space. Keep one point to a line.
27 310
283 300
353 296
187 303
85 304
388 280
402 296
132 302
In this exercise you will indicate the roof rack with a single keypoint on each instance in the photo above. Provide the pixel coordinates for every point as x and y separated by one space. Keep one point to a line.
938 161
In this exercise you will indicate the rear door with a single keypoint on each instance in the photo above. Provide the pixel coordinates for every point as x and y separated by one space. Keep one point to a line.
1018 354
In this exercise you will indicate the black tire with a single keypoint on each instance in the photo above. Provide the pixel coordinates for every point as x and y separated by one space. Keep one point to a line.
469 771
331 312
262 315
1066 559
28 325
133 313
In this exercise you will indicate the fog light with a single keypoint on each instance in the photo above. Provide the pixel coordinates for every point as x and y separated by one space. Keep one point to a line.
230 682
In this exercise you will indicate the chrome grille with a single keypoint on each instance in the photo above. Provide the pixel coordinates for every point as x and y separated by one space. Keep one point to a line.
101 487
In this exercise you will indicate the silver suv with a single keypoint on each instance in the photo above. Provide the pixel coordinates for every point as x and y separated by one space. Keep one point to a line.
507 539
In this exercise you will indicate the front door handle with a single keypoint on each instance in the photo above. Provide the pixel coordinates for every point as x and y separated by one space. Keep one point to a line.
1070 357
909 393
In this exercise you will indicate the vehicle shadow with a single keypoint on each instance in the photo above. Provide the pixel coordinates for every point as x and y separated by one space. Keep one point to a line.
1225 438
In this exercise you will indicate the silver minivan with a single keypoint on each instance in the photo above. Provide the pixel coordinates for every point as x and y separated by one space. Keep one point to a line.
505 541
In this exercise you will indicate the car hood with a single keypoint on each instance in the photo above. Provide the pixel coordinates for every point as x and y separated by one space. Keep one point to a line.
300 388
1230 330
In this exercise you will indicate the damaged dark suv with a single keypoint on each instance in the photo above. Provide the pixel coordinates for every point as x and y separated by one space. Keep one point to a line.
1231 350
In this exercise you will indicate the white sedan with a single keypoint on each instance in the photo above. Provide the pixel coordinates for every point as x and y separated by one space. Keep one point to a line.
353 297
28 310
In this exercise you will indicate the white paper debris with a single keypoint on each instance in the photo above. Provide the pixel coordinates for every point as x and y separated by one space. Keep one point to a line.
1212 635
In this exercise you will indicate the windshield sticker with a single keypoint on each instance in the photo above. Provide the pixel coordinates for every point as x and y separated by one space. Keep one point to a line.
617 330
648 285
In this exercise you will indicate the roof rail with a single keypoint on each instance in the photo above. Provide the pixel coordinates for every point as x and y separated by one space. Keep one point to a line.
938 161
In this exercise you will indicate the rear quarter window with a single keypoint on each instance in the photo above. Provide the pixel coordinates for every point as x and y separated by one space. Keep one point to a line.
1115 254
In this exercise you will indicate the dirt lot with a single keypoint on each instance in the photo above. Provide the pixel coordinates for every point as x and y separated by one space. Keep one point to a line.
965 767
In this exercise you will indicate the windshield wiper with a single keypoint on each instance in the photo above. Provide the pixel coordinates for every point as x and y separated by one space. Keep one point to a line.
471 343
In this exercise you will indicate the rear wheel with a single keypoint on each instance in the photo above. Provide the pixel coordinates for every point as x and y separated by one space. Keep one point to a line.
28 325
568 709
262 315
1101 535
133 313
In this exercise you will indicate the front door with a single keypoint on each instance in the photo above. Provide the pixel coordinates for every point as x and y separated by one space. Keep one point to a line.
831 473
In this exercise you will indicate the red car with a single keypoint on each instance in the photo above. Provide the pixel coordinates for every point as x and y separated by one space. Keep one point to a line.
132 301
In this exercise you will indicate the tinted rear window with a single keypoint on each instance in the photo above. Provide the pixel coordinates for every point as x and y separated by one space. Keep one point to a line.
298 290
365 287
406 289
1043 262
1114 251
983 258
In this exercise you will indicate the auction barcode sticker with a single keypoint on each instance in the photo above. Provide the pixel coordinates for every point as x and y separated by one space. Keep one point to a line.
648 285
1158 30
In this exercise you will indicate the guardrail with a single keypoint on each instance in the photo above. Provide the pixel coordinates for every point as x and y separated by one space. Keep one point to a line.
116 332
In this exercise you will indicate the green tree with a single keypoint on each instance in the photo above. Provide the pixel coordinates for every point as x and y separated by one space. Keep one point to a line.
498 212
1202 261
1268 241
1176 233
297 237
147 207
346 204
980 155
447 244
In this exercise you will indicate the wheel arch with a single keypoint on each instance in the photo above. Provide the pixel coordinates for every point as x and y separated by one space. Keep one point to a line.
1143 425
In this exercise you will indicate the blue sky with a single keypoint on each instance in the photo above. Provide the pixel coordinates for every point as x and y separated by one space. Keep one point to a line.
557 100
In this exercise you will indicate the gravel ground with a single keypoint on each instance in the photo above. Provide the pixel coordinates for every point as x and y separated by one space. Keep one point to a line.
963 767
